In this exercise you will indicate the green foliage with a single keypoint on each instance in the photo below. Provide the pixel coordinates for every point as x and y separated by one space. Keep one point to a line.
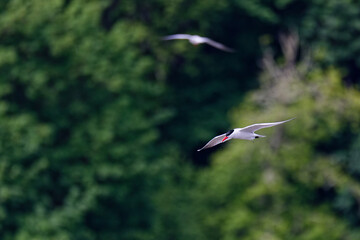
80 147
99 119
287 186
333 29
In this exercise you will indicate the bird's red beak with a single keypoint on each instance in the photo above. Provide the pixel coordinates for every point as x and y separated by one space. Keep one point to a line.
224 138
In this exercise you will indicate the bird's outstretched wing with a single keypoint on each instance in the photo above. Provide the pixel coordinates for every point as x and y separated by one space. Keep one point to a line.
257 126
177 36
215 141
218 45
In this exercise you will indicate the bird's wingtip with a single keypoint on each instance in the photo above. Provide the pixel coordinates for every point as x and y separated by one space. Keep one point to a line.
290 119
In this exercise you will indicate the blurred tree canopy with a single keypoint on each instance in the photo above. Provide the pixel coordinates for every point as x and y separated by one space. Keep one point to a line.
79 136
271 189
99 120
333 28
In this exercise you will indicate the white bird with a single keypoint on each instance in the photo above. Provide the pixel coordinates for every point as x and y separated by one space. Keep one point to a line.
246 133
196 40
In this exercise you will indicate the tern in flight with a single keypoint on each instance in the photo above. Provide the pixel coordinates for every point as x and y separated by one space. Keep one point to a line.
246 133
196 40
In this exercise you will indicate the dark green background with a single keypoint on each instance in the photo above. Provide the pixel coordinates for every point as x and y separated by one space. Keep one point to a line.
100 120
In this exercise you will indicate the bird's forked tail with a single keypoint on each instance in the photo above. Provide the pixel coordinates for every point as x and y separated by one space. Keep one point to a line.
259 136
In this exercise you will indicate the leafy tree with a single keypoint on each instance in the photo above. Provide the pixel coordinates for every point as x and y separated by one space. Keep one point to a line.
97 117
81 154
332 27
290 185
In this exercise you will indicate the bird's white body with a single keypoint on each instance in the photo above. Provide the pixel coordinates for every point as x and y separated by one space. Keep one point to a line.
238 134
245 133
196 40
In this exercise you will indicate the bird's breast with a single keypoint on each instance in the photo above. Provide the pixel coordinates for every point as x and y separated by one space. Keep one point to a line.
243 135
